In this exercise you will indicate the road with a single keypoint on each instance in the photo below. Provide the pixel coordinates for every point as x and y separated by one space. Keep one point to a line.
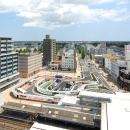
102 80
85 69
87 75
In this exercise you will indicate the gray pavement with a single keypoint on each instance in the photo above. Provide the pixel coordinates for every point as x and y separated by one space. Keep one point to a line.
102 80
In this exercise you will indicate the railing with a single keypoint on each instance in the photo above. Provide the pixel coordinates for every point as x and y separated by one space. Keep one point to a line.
10 41
15 71
15 59
2 76
3 45
10 73
3 58
3 49
15 63
15 56
9 57
3 40
3 67
9 69
9 65
9 61
3 63
3 71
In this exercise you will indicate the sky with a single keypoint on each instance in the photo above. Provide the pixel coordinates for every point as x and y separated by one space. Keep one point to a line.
65 20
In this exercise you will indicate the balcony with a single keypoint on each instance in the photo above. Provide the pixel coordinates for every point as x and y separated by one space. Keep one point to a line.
9 65
9 61
10 49
3 40
9 69
15 63
15 60
3 71
3 62
15 68
3 76
10 45
15 56
3 53
10 73
10 41
9 57
3 67
3 45
2 49
3 58
15 71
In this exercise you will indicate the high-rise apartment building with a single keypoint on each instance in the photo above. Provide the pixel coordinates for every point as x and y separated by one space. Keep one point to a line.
29 64
8 63
49 50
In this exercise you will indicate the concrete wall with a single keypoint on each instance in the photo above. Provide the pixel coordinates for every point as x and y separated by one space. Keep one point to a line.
1 99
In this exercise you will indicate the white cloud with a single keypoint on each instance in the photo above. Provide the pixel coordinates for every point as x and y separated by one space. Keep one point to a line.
122 2
35 24
53 14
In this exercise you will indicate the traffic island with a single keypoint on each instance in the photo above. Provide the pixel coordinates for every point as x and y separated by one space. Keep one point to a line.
94 78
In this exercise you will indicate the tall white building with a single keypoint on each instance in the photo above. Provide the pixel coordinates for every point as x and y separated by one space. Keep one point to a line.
107 64
69 61
8 63
115 68
127 52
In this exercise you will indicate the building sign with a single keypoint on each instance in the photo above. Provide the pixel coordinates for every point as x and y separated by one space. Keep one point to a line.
127 48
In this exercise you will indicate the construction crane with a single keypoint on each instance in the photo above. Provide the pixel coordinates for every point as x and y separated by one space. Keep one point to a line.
32 117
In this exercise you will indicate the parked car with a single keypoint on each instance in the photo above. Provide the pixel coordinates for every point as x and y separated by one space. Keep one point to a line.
58 80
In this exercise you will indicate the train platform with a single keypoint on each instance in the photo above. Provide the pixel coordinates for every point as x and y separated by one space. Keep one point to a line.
57 113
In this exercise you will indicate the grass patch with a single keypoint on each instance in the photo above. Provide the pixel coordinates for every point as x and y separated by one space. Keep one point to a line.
49 88
94 79
48 80
84 83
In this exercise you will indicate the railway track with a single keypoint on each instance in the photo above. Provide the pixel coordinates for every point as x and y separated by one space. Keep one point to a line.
7 124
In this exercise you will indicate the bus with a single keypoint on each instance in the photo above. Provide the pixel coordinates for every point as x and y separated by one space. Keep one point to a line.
20 90
32 81
68 76
58 76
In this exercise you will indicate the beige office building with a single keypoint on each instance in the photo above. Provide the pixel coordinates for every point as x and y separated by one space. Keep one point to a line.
29 64
49 50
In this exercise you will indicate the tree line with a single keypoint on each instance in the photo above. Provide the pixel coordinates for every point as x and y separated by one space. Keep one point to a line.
108 44
28 50
81 52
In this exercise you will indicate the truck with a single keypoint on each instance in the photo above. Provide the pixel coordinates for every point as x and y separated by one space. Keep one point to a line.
58 76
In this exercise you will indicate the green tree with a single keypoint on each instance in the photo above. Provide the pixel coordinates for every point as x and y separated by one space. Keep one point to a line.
20 51
83 54
80 50
35 50
41 49
57 49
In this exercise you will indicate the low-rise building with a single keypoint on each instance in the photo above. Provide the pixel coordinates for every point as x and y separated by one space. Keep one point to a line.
29 64
56 65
